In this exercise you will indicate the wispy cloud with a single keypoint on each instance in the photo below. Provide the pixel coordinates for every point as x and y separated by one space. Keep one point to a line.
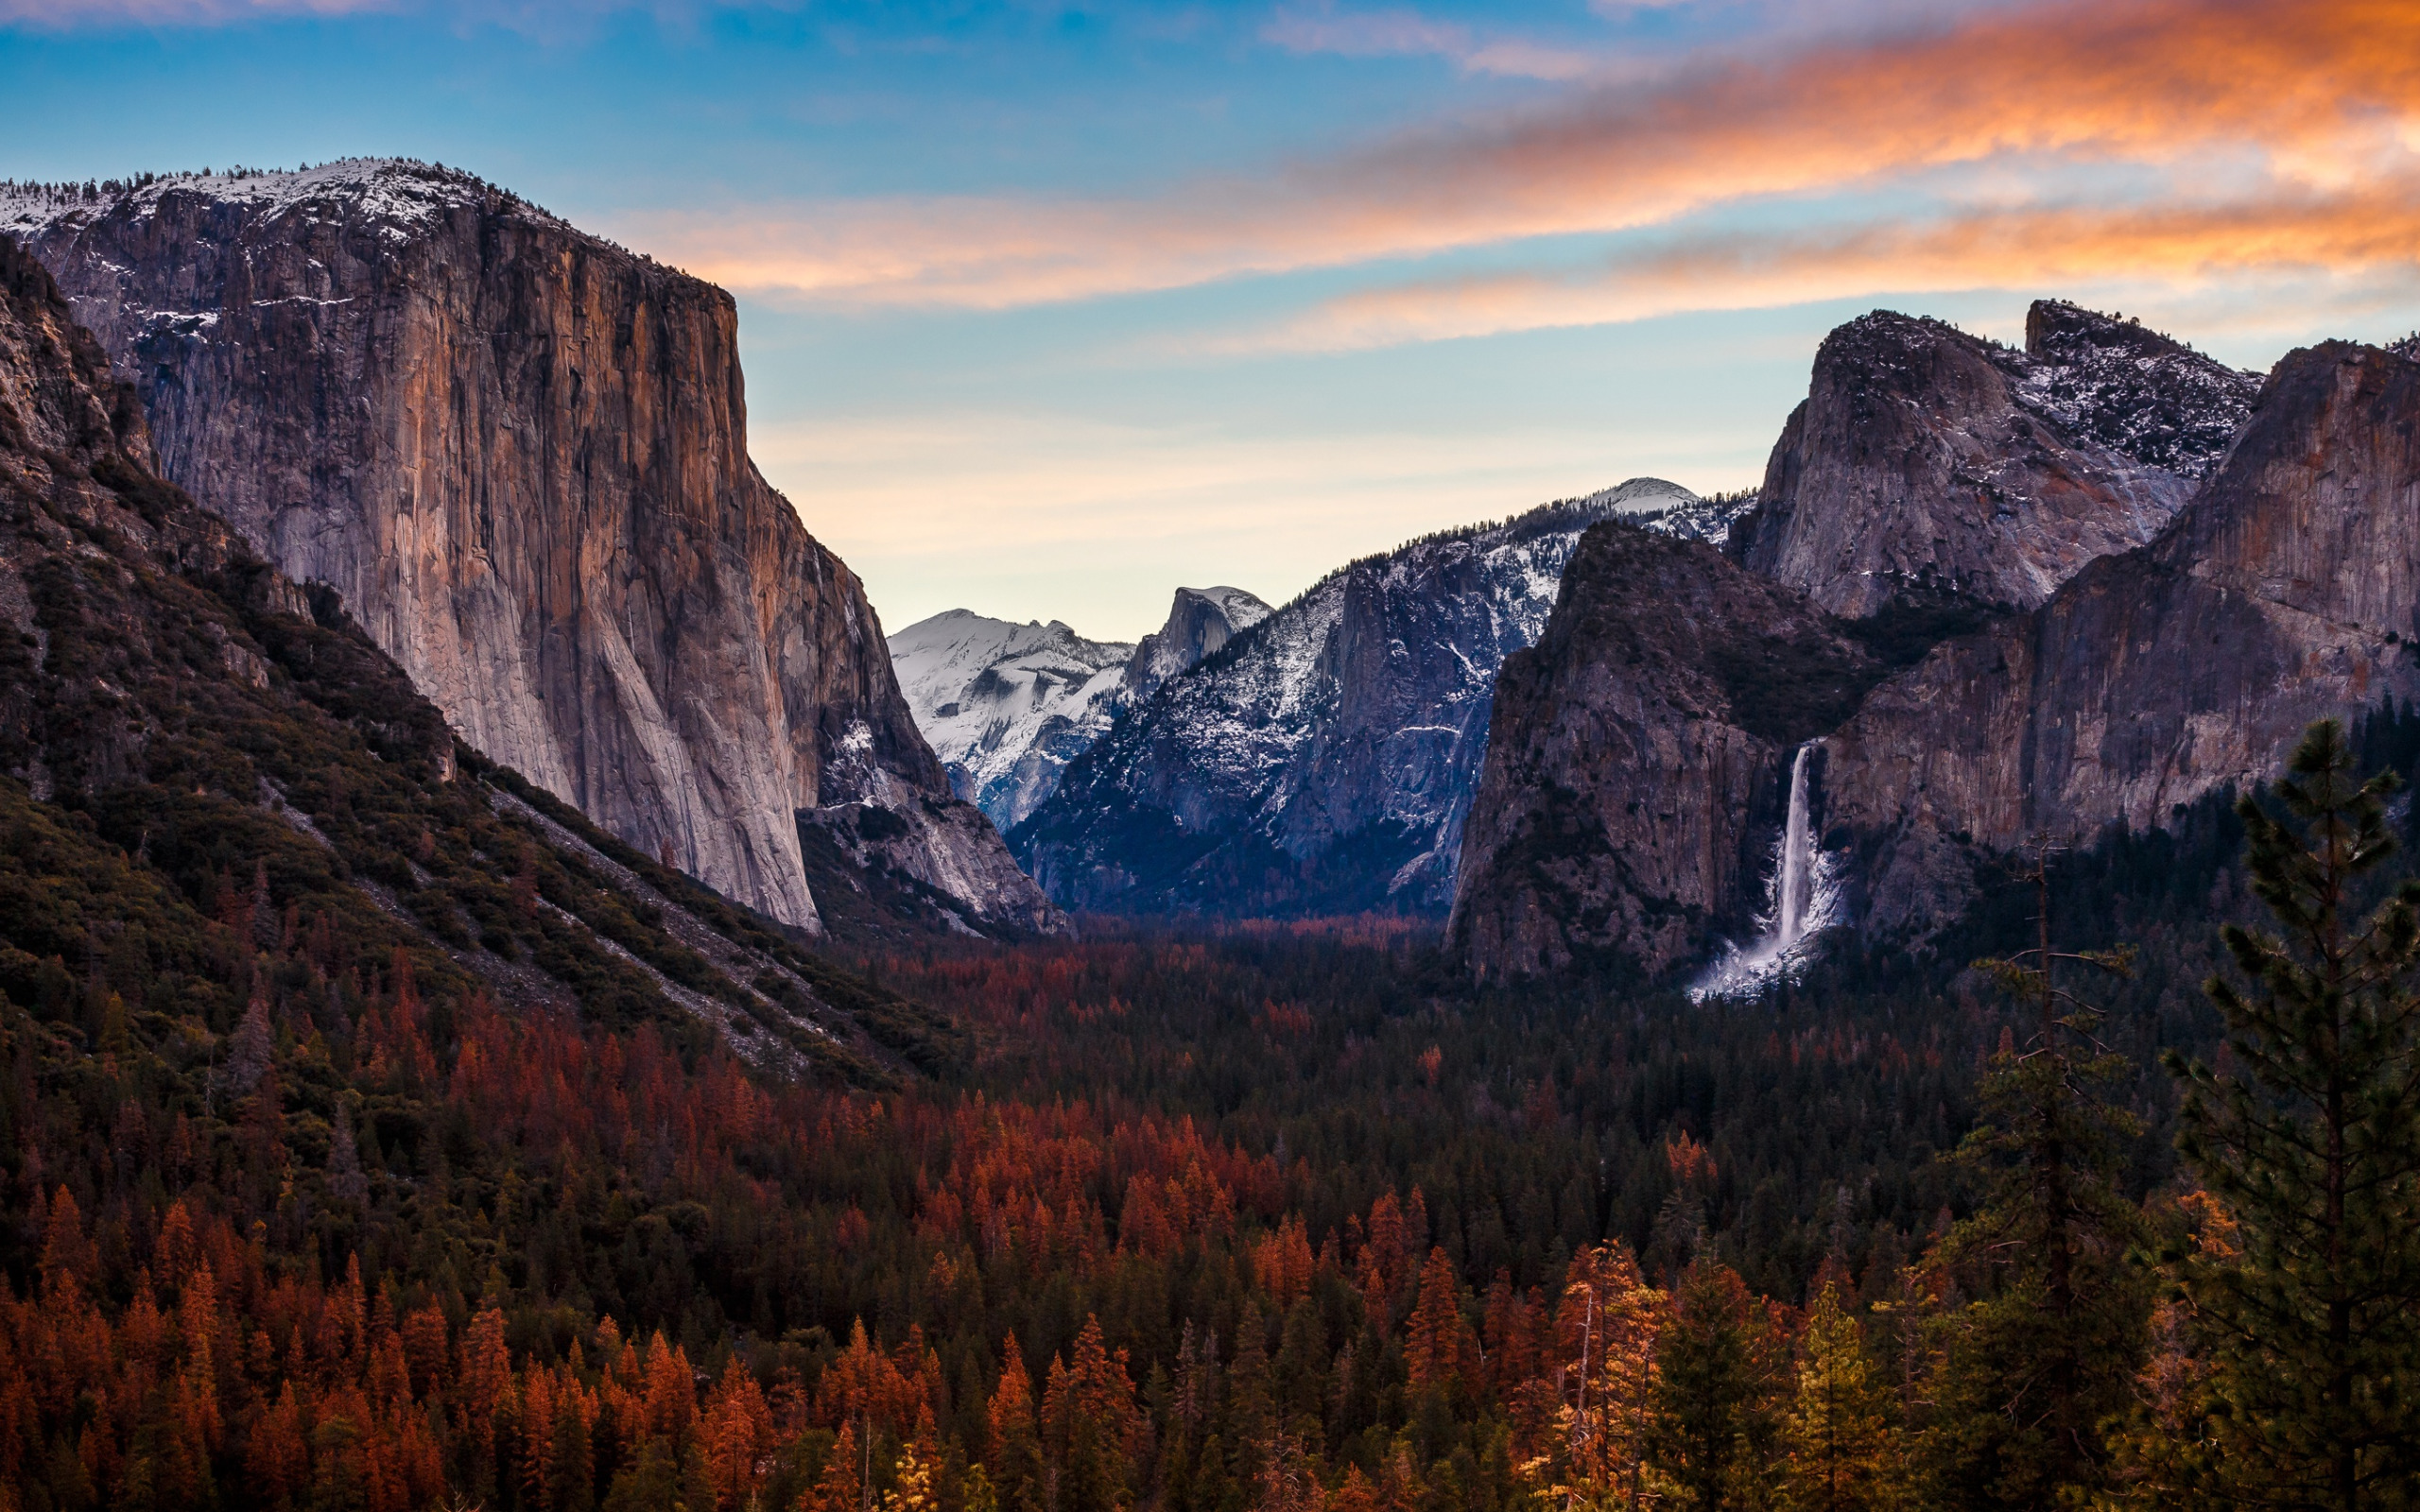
65 14
2316 92
1407 33
2369 239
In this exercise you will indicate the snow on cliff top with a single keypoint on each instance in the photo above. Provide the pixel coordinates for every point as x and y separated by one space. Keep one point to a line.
394 191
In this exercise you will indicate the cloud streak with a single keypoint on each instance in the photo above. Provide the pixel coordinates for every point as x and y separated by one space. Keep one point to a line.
2367 237
59 15
2317 93
1409 34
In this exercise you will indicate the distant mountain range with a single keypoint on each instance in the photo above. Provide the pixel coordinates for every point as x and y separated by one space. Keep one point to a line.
1008 706
1321 760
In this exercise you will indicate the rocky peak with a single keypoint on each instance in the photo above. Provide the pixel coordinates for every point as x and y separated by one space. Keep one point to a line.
2288 592
2137 392
519 455
1323 759
1200 621
1922 470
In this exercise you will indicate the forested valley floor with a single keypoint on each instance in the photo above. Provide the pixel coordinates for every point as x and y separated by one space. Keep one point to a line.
1269 1219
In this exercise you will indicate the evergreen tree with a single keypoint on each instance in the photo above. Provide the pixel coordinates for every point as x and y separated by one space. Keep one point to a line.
2047 1350
1714 1392
1840 1453
2311 1143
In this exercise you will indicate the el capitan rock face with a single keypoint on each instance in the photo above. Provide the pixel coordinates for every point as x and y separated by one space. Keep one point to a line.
177 717
2159 677
1661 708
519 454
1927 465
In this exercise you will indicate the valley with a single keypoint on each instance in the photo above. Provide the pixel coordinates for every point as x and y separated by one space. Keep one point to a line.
518 992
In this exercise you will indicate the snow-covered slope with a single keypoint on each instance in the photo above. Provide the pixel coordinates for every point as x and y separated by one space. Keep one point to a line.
1323 761
1007 706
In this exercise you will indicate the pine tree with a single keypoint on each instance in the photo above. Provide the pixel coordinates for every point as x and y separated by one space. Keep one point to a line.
2312 1148
2046 1350
1606 1330
1433 1350
1841 1455
1016 1464
1714 1389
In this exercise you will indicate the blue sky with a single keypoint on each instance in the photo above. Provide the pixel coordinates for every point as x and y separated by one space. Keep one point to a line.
1047 309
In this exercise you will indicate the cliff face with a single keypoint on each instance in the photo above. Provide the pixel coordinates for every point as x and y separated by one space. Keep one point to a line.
519 455
1200 621
201 766
1659 710
1934 485
1323 761
1927 465
2161 675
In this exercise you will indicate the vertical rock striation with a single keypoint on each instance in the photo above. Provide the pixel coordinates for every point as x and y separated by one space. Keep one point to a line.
519 454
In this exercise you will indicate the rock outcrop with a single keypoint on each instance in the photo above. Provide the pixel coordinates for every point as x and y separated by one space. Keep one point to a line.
2289 590
201 759
1929 465
1626 808
1321 760
1200 621
1633 781
519 455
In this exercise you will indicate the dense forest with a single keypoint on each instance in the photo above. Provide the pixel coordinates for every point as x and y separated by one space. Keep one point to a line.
1271 1218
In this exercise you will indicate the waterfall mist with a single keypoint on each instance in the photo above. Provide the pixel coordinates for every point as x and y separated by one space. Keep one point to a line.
1801 901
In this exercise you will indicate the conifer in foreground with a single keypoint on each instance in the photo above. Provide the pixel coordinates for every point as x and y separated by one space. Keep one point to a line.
2311 1144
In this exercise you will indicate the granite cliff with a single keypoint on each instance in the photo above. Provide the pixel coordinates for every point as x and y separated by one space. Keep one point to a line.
1200 621
1661 706
203 763
518 452
2287 591
1927 466
1930 490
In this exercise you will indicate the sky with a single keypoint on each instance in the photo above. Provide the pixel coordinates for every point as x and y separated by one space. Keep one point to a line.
1048 308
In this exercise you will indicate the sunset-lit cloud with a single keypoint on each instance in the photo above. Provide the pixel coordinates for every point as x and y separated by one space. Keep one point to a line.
2323 94
2371 238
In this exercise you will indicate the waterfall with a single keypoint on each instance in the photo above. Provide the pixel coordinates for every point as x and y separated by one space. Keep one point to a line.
1797 865
1802 902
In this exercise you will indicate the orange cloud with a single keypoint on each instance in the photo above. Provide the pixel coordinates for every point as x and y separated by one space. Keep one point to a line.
2372 237
2313 91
